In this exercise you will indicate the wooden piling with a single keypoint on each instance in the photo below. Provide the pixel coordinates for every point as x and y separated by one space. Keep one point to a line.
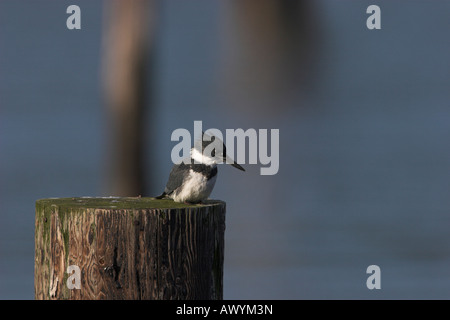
128 248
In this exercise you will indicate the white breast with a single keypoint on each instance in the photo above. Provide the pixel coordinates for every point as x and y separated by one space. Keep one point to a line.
196 188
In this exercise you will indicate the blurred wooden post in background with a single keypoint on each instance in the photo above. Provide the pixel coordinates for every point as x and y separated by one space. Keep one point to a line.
129 248
126 53
268 50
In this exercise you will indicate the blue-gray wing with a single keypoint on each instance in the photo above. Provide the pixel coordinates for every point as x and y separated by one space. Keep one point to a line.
177 175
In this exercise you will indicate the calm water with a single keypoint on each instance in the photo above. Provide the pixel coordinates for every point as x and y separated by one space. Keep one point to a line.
364 148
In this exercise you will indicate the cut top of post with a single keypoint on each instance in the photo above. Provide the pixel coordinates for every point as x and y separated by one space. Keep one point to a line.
122 203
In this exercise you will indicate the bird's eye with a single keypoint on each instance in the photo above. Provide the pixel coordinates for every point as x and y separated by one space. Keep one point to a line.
213 152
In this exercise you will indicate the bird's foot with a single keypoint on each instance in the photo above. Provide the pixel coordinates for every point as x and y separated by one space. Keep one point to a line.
192 203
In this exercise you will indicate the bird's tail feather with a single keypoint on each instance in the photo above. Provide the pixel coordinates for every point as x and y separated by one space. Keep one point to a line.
162 196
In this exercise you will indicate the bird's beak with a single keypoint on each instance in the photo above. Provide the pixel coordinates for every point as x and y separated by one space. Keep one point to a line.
237 166
233 163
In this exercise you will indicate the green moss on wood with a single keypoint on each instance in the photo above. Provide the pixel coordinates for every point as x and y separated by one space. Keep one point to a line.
119 203
64 229
44 213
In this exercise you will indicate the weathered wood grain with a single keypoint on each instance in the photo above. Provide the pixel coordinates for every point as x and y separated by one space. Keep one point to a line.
129 248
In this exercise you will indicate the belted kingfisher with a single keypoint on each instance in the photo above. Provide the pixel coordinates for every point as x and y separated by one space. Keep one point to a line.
191 182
